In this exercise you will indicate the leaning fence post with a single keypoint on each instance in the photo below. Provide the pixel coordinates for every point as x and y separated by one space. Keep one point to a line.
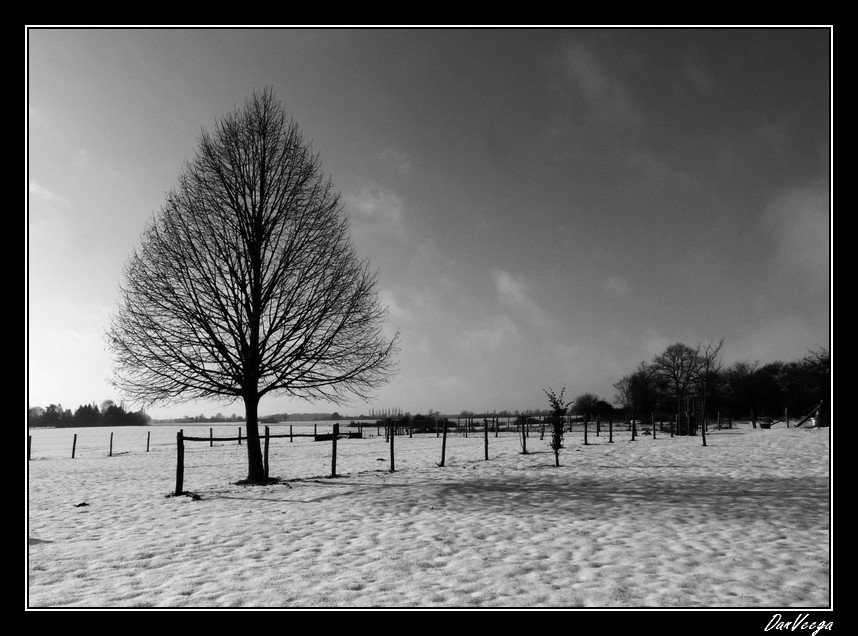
334 450
443 443
74 444
266 453
180 462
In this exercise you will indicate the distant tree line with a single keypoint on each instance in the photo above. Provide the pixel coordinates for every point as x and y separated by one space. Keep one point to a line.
301 417
219 417
681 376
109 414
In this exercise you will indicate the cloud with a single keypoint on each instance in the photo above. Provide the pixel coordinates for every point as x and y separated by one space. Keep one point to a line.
798 221
44 195
82 160
375 204
511 291
519 298
395 311
495 333
652 344
699 76
615 286
376 212
607 97
781 336
47 218
398 160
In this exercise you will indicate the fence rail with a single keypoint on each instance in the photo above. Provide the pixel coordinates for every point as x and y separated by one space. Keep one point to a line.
181 438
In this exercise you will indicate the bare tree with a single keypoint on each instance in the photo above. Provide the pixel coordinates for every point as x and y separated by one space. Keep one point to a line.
246 283
708 368
638 391
678 366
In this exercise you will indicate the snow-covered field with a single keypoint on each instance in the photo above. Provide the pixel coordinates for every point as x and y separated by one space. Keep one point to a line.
667 523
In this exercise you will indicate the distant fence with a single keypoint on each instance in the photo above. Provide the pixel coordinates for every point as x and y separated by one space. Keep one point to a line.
74 444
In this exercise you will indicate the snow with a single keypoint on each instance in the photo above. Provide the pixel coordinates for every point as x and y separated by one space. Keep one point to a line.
652 523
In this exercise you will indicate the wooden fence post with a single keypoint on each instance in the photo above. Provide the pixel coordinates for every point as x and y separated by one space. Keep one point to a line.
586 443
239 436
290 433
443 443
610 429
486 433
652 422
29 444
110 448
180 463
334 450
392 435
786 416
634 426
74 444
148 433
266 453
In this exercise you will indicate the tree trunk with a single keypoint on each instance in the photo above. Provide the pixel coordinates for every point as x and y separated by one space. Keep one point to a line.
255 465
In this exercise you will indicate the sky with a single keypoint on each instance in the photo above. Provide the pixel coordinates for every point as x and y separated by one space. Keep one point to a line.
546 207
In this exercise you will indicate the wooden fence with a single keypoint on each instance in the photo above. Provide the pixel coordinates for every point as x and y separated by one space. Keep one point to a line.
181 438
74 444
